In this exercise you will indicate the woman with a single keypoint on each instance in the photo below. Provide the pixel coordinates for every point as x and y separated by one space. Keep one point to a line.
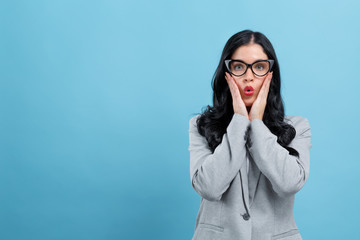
247 160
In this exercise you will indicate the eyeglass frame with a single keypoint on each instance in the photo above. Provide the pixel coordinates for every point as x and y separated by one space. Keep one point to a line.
227 61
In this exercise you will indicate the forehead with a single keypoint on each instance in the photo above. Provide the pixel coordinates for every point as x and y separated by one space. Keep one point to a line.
249 53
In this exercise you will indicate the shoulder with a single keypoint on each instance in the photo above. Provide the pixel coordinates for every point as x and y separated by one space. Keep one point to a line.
194 118
301 124
192 122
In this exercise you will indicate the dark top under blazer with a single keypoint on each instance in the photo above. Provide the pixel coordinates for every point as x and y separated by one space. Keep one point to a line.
267 193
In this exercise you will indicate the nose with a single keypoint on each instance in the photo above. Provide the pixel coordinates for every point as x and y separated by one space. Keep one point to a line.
249 75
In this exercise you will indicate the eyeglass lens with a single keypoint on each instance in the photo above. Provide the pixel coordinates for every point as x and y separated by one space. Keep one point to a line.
259 68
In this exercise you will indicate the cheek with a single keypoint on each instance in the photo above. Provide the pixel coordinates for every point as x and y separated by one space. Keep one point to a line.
259 85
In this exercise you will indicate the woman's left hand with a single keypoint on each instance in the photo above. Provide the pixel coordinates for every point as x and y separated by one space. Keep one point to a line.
258 107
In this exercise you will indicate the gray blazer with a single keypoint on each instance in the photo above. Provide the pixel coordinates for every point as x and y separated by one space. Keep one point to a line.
242 206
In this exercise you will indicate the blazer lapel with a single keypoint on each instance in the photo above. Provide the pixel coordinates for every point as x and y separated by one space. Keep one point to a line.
254 177
245 185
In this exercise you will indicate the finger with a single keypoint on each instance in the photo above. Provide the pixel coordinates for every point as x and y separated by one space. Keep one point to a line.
235 87
269 77
228 76
264 88
228 80
231 82
269 81
235 92
262 92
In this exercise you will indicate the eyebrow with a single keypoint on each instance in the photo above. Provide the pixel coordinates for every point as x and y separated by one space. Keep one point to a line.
252 62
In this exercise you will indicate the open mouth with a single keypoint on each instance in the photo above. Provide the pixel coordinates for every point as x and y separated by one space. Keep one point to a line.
248 90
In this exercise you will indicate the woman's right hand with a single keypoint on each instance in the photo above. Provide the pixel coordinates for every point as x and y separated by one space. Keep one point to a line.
238 103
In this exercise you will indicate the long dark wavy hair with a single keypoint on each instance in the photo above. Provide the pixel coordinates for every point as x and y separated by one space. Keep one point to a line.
214 120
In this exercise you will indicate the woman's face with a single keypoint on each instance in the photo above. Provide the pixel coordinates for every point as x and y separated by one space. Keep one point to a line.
249 53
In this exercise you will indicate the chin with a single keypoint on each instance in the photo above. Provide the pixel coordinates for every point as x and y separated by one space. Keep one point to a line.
248 104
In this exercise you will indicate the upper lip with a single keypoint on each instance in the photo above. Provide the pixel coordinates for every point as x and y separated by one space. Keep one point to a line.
248 88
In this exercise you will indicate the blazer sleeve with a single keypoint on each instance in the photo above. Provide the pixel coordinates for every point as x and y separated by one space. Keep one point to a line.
212 173
287 173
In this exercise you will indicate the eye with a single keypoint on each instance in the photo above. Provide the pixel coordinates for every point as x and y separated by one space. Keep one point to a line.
260 67
238 67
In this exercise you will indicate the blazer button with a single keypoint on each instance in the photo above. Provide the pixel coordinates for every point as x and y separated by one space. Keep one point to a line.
246 216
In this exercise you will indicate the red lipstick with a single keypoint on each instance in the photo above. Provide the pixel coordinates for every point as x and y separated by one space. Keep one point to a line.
248 90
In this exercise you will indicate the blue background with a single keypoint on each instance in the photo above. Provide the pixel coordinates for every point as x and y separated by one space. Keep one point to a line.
96 97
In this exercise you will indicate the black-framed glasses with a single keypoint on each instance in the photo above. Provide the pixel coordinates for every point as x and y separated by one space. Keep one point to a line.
239 68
